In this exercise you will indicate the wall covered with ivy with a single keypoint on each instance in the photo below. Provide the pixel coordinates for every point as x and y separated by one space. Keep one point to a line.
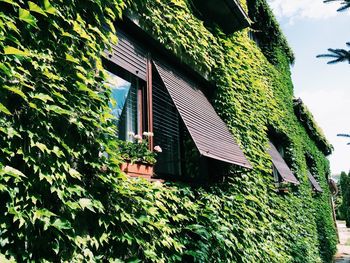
57 200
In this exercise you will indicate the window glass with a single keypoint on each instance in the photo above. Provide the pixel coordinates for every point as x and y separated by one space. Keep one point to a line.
124 105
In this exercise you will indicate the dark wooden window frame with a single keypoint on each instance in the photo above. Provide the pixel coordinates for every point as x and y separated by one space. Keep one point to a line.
149 93
312 173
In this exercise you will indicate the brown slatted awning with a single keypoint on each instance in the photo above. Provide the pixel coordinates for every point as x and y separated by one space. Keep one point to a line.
208 131
128 55
281 166
315 185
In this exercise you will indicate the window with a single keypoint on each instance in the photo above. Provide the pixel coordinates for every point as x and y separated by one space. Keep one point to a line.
155 96
128 104
276 176
311 173
253 36
281 171
314 184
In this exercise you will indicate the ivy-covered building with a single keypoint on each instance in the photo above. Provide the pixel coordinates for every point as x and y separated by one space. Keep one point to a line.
242 175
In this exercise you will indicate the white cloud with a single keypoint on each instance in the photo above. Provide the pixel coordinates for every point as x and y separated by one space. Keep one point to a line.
298 9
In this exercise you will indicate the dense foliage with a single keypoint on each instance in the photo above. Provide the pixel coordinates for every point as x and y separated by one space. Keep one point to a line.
314 131
266 28
57 200
52 127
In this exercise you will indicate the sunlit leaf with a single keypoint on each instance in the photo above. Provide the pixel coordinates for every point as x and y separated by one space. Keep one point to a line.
25 16
4 109
71 58
17 91
86 203
13 172
10 2
15 51
35 8
75 174
49 8
61 225
43 97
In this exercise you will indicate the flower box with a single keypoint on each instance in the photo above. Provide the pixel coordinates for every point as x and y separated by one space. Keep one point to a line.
283 190
137 170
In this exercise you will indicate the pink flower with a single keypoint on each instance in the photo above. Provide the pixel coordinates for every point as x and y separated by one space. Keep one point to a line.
157 149
148 134
138 137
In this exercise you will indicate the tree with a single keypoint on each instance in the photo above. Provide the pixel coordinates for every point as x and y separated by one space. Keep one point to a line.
344 208
345 4
338 55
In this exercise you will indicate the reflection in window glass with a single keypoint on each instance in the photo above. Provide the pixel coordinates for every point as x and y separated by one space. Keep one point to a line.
124 105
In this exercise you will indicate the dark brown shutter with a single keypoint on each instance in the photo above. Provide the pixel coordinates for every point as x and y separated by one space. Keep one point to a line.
209 133
315 185
166 128
281 166
128 55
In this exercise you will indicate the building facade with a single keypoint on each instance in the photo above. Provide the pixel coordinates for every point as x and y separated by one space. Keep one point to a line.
242 175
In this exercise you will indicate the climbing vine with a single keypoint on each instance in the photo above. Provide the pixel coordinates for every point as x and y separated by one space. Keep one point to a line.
62 200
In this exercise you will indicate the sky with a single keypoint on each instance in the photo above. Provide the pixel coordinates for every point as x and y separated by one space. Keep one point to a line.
312 27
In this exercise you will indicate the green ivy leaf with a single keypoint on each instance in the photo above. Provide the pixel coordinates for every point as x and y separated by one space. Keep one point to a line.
43 97
25 16
17 91
42 214
61 225
4 109
57 151
8 50
11 2
86 203
13 172
49 8
74 173
71 58
41 146
5 69
35 8
58 109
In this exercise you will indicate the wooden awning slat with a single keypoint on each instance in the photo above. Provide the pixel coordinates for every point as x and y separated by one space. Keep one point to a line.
281 166
315 185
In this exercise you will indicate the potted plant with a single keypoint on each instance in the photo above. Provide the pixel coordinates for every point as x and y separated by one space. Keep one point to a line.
138 158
